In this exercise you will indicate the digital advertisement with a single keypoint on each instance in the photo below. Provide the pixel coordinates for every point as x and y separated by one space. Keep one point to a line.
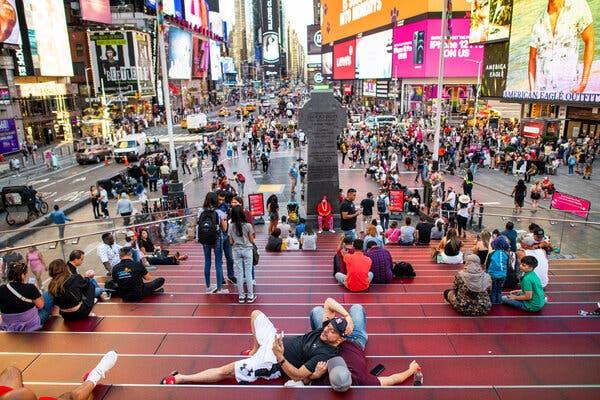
313 39
96 10
490 20
9 23
52 38
9 140
201 57
270 38
495 62
144 67
180 54
196 12
559 65
370 88
327 63
215 61
374 56
170 7
344 56
417 48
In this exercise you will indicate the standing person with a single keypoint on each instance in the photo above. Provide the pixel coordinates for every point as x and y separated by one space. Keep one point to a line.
511 234
241 236
588 168
59 218
497 266
536 195
349 214
183 158
125 208
344 151
193 164
273 211
104 201
212 222
468 184
95 199
293 174
152 176
571 162
264 159
367 206
240 180
383 209
36 264
165 172
463 214
519 192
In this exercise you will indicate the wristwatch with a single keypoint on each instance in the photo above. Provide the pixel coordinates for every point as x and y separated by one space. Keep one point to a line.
283 360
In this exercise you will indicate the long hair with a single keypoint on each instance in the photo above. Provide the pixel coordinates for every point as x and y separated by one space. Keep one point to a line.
452 237
59 272
238 218
15 271
211 201
485 237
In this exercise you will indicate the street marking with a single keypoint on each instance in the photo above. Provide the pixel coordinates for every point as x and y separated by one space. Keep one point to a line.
83 178
270 188
73 196
71 177
39 181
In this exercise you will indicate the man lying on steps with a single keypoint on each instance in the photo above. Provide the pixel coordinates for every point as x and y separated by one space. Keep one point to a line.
274 355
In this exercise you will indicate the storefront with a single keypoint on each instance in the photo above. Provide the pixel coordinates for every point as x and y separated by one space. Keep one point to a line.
419 95
582 122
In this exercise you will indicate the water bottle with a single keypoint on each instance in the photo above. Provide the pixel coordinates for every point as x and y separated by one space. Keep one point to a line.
418 378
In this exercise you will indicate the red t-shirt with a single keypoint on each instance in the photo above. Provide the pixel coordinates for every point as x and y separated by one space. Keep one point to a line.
358 266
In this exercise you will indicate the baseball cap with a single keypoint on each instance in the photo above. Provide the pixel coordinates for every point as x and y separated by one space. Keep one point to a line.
130 234
340 325
339 374
539 232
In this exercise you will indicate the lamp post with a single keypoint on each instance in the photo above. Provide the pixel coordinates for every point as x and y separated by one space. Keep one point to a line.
476 108
87 84
440 83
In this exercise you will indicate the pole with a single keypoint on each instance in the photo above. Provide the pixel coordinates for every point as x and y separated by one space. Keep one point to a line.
438 116
475 111
87 84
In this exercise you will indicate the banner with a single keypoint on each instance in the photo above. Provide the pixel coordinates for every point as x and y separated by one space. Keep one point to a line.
96 10
369 88
9 23
327 64
180 54
417 48
270 38
144 65
4 96
374 56
51 37
396 201
256 204
344 60
201 57
313 39
170 7
495 62
574 205
490 20
215 61
9 140
559 71
196 12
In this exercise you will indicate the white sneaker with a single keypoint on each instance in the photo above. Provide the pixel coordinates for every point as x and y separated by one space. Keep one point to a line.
332 231
321 231
106 363
211 289
222 291
293 383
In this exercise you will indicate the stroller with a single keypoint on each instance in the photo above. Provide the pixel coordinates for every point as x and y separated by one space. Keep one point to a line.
292 209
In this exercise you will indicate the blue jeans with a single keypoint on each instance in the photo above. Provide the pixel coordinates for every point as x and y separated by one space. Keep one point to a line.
351 233
359 318
571 169
497 284
385 221
46 311
217 248
243 261
97 289
473 168
228 256
514 303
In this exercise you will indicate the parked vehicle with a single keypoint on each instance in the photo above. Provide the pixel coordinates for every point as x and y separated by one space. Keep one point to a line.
24 201
380 121
212 126
224 112
131 146
196 122
93 154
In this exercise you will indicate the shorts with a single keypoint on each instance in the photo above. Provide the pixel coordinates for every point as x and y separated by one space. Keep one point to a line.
6 389
263 363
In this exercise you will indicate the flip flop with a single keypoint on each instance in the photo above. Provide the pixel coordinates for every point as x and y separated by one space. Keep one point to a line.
170 379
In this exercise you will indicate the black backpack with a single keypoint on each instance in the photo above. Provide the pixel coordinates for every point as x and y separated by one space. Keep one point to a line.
403 269
208 227
381 208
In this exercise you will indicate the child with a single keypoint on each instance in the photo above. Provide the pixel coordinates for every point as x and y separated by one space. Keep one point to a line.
531 296
301 227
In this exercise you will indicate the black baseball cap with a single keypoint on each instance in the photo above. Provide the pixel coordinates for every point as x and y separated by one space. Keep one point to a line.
339 325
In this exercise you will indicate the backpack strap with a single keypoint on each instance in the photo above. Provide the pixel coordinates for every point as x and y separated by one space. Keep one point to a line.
18 295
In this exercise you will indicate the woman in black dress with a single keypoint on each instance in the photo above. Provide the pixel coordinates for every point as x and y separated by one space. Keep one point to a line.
519 192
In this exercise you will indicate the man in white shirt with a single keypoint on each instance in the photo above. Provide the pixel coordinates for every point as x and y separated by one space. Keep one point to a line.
108 252
104 201
285 227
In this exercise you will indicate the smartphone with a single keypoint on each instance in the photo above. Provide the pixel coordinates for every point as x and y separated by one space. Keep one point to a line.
377 370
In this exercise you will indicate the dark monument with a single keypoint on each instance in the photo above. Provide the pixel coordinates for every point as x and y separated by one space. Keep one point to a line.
322 118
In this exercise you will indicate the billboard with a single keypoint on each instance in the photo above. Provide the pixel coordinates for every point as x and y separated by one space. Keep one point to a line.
170 7
572 204
201 59
180 54
547 65
490 20
327 63
313 39
9 140
270 38
417 48
370 88
196 12
9 23
374 56
119 58
344 60
215 61
96 10
51 37
495 61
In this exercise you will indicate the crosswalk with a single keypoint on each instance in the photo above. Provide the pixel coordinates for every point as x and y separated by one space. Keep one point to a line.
181 137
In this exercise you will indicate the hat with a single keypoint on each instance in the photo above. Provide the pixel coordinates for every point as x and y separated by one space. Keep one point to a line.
464 199
339 374
130 234
501 243
539 232
339 325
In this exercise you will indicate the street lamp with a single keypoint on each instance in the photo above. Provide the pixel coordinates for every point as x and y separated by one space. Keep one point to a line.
87 84
475 111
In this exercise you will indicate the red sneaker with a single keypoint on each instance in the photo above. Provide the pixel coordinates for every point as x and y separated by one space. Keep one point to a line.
169 380
246 353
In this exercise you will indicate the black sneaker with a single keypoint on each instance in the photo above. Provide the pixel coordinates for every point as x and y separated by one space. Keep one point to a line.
232 280
251 299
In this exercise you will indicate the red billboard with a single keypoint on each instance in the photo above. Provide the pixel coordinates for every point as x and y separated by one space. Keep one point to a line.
396 201
532 129
96 10
256 204
344 60
574 205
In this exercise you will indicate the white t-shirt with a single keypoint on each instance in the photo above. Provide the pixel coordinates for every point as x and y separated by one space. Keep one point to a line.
542 269
309 242
451 199
285 229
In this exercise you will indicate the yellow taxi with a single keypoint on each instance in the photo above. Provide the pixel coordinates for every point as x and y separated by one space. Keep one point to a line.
184 123
242 110
224 112
251 107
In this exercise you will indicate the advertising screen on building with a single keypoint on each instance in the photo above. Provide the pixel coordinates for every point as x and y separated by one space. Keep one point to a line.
370 88
9 140
327 63
96 10
490 20
417 48
215 61
564 64
201 57
196 12
9 23
313 39
180 54
495 61
51 37
374 56
270 39
118 58
344 60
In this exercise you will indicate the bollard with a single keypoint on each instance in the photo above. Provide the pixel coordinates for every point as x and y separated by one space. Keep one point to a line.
480 221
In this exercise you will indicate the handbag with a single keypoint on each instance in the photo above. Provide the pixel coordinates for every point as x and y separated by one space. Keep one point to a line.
255 255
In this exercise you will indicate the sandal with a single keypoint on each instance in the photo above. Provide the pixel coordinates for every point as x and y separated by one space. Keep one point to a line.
170 379
246 353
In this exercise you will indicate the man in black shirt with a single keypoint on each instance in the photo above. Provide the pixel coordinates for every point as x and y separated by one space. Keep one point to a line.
423 231
273 355
349 214
367 210
134 282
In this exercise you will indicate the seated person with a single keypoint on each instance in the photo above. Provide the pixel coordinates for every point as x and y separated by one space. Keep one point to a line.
308 239
11 382
76 260
284 227
338 260
23 307
292 243
382 264
325 215
472 287
73 294
133 281
531 296
372 236
448 251
407 233
274 242
300 227
393 233
358 274
154 255
536 240
438 232
424 229
273 355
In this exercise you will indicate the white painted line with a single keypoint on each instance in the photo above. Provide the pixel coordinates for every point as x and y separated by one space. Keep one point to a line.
129 316
302 333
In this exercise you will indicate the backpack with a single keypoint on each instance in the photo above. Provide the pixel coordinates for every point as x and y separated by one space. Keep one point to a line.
208 227
241 178
381 208
497 264
572 160
403 269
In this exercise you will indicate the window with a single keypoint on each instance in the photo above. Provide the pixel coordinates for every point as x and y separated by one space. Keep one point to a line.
79 50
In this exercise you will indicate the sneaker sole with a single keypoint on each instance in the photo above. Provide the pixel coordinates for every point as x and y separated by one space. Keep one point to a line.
252 300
